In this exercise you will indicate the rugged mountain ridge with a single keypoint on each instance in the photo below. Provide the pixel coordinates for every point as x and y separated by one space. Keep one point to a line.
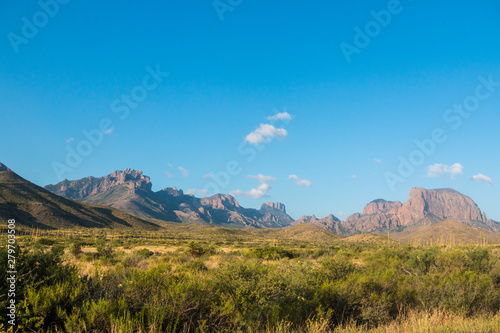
131 191
423 208
33 206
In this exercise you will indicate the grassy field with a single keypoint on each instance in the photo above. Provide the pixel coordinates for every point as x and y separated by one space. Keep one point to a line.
192 278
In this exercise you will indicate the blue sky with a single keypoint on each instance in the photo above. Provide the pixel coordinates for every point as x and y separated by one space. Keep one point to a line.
350 121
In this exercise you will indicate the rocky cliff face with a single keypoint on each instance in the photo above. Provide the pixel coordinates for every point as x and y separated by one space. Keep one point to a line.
90 186
423 207
381 206
442 203
131 191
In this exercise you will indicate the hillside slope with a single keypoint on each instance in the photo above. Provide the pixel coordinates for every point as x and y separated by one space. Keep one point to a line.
33 206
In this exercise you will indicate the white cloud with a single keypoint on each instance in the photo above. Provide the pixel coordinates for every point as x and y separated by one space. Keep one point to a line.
184 171
261 178
108 131
169 165
265 132
255 193
258 192
354 176
300 181
443 170
69 140
482 178
169 174
341 213
280 116
376 160
208 175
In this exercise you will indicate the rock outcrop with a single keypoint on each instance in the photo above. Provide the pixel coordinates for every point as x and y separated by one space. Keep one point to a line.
424 207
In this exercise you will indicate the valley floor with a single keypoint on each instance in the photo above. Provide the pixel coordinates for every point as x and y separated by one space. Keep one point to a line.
199 279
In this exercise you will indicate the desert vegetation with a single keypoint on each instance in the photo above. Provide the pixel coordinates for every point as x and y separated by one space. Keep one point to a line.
222 280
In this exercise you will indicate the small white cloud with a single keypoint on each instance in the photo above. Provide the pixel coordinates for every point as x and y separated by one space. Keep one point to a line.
376 160
341 213
169 165
482 178
184 171
354 176
169 174
108 131
69 140
299 181
190 191
280 116
255 193
265 132
443 170
203 192
258 192
208 175
261 178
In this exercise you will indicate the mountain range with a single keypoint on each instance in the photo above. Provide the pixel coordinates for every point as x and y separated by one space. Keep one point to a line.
130 191
130 201
34 207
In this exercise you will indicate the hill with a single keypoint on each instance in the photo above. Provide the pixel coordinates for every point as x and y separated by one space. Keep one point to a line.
33 206
444 231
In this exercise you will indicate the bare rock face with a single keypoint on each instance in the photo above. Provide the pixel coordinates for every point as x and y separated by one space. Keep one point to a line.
90 186
220 201
273 206
353 217
381 206
442 203
3 167
423 207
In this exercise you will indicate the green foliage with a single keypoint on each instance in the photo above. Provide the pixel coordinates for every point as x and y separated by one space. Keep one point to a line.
104 249
272 253
195 249
423 260
76 248
255 289
145 253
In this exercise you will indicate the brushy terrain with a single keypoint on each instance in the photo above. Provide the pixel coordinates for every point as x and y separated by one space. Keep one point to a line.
219 280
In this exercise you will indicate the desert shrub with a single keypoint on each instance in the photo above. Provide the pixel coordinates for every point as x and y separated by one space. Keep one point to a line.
422 260
195 249
75 249
478 259
104 249
46 241
272 253
145 253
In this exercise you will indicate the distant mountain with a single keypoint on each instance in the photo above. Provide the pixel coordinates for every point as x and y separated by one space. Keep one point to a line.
131 191
330 222
33 206
423 208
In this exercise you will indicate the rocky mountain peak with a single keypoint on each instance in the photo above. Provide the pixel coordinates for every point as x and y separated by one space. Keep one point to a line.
220 201
173 191
381 206
442 203
273 206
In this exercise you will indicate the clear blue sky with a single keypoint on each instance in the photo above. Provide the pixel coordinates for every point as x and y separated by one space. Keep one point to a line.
350 120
